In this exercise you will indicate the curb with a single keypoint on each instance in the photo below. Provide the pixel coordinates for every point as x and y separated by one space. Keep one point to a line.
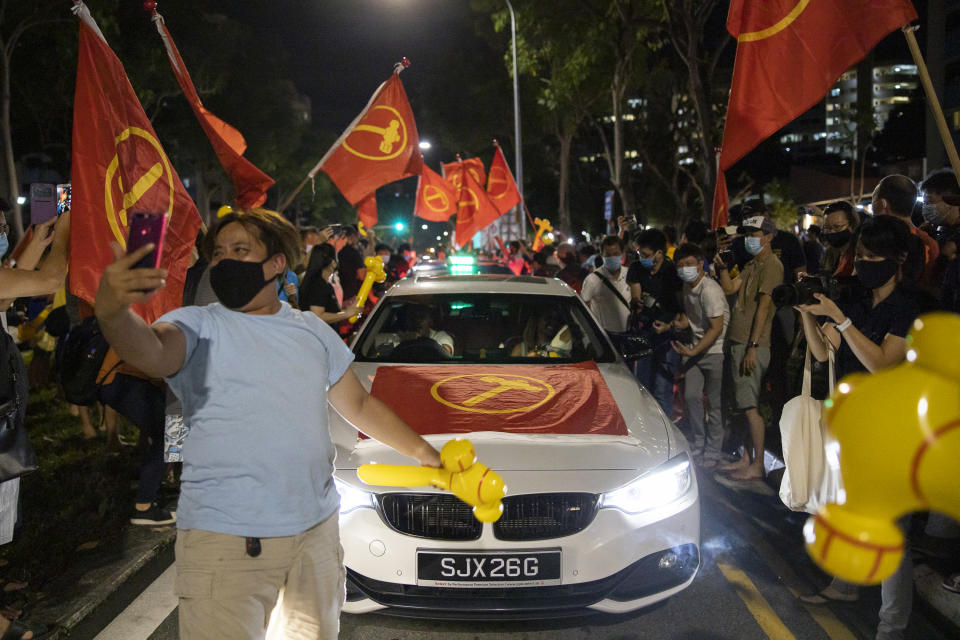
946 604
75 596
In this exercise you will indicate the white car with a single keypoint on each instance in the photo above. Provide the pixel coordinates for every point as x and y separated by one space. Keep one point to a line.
602 508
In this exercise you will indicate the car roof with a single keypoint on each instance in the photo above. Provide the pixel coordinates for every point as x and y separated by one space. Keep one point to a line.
483 283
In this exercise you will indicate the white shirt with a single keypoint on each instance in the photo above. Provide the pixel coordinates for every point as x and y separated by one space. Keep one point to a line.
606 307
702 302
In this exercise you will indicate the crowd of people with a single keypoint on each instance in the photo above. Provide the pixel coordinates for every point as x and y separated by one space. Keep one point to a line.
726 313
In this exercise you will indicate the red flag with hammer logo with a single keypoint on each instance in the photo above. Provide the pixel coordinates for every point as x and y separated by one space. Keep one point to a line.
379 147
453 171
501 187
789 53
474 209
436 197
119 166
367 211
569 398
249 182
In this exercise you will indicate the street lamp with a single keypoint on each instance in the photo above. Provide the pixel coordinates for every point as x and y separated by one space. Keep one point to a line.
425 145
516 116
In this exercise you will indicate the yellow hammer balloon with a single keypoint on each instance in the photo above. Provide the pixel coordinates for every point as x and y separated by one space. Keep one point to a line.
899 436
472 482
375 273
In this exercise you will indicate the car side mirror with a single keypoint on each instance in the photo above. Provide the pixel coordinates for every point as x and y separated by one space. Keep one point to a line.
630 346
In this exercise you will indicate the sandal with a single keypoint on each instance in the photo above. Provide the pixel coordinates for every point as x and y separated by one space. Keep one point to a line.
952 583
828 595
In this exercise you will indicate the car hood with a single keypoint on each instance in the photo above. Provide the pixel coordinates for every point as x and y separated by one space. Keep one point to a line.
647 444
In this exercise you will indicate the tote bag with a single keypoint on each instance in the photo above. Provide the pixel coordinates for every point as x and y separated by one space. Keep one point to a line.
812 475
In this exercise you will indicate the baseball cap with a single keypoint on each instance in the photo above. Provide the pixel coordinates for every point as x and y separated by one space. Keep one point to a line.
758 223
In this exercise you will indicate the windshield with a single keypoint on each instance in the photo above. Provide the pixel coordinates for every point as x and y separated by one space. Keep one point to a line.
482 328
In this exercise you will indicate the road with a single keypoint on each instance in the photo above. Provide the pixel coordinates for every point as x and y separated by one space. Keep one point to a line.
753 567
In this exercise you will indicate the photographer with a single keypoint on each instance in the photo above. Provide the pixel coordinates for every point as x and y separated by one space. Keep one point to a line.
869 334
840 223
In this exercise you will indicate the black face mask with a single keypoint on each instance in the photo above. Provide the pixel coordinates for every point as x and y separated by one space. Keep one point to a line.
838 238
875 274
236 282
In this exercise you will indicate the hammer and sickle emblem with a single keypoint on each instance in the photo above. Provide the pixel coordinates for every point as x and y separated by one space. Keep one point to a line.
497 176
779 8
391 139
432 194
117 218
539 391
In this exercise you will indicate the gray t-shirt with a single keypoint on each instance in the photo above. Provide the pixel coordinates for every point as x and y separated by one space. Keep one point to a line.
702 302
259 460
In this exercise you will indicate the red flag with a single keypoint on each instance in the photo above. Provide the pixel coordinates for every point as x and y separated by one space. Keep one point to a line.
379 147
721 202
367 210
249 182
453 171
571 398
436 198
501 186
119 166
474 209
789 53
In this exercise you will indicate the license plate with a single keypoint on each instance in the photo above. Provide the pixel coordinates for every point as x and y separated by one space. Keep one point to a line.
464 569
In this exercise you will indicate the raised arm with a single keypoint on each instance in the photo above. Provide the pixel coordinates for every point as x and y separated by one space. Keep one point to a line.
157 351
18 283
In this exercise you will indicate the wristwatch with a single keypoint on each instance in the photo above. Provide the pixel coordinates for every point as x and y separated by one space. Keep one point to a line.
755 345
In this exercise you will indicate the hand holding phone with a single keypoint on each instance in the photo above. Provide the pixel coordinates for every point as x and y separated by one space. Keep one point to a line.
146 228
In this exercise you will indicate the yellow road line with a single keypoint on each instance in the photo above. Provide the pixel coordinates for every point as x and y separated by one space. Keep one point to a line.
822 615
756 603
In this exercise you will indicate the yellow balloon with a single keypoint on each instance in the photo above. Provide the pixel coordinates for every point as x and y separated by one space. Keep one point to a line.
899 437
375 273
472 482
224 210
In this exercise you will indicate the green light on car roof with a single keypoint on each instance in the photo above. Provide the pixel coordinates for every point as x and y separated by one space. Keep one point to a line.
457 306
461 270
462 260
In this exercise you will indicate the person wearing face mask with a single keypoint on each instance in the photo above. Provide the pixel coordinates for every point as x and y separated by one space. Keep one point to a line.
869 334
896 195
258 462
747 348
316 292
606 290
840 223
706 312
655 291
941 210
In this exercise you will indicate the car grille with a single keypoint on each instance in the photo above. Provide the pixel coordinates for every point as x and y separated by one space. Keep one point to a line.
538 516
430 515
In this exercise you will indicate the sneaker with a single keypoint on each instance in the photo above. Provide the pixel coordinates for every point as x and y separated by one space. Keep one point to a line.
153 516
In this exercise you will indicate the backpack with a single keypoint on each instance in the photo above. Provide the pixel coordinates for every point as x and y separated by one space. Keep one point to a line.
79 357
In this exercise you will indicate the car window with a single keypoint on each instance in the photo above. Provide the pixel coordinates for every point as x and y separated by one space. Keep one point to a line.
482 328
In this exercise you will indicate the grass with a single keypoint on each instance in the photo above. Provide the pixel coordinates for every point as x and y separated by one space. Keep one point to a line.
80 496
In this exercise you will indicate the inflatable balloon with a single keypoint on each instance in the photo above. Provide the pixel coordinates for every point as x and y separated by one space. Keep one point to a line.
543 226
898 432
375 273
461 474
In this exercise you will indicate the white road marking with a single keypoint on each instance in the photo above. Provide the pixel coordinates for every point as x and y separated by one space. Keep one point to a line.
142 617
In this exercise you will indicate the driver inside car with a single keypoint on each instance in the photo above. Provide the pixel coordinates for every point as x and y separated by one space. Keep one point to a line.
419 323
546 336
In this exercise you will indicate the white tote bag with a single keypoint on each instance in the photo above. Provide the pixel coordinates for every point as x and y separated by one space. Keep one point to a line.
812 474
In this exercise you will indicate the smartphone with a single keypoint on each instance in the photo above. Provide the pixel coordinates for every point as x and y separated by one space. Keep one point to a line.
63 198
43 202
147 227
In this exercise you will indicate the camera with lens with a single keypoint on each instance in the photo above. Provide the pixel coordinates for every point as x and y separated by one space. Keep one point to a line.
729 258
802 291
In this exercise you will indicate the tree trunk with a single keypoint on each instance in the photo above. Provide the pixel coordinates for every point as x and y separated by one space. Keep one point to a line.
566 141
203 194
13 185
620 179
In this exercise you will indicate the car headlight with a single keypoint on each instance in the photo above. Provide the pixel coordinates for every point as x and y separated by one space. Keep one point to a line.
352 498
660 487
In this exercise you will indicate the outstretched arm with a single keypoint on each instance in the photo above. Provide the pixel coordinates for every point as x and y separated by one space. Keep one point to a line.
378 421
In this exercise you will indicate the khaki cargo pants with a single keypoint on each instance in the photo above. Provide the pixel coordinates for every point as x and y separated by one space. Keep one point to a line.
227 595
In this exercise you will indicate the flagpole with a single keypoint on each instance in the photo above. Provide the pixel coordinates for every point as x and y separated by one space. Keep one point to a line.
932 100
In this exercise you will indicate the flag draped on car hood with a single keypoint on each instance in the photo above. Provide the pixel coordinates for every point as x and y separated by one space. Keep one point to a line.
555 399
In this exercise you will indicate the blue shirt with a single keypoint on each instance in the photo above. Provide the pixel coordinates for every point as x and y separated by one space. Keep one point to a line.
258 461
290 278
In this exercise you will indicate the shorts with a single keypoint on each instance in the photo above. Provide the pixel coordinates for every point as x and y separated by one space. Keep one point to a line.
745 389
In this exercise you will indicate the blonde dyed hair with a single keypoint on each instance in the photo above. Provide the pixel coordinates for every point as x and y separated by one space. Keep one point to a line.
269 227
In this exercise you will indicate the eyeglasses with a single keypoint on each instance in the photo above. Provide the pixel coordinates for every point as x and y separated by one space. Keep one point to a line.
4 227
